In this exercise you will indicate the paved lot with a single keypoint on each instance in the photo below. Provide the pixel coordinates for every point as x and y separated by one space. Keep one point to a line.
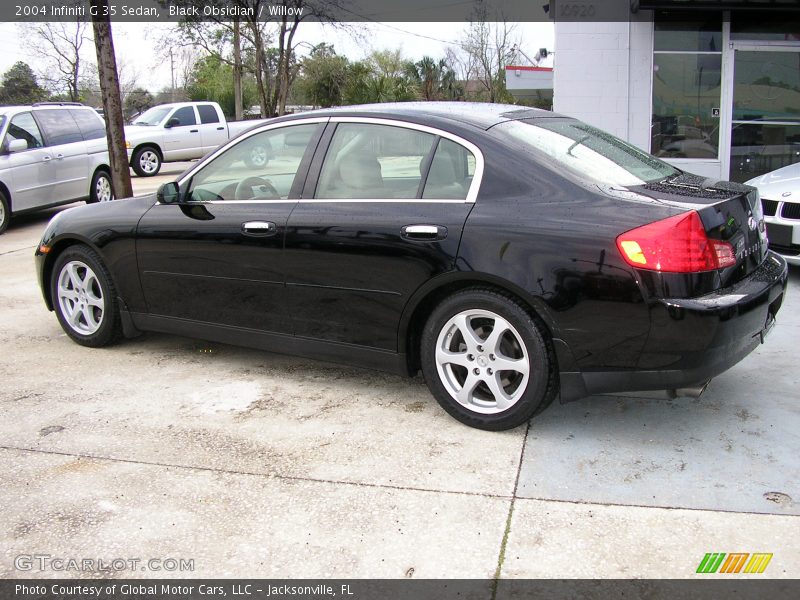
255 464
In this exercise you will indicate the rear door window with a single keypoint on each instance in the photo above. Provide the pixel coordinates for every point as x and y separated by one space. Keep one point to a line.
451 172
366 161
59 127
208 114
24 127
89 123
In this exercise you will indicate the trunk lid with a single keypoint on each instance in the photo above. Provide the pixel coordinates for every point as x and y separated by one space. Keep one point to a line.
729 211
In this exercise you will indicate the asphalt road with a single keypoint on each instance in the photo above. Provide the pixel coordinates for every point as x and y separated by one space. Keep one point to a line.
256 464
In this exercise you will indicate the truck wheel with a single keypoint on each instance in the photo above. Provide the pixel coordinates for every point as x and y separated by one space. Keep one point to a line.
146 161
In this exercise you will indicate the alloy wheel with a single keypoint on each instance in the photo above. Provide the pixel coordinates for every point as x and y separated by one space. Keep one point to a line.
80 297
482 361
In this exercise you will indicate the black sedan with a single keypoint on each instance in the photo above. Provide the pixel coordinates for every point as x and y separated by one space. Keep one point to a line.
511 254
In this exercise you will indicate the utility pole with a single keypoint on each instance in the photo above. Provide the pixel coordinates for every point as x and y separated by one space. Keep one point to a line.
112 102
237 72
172 74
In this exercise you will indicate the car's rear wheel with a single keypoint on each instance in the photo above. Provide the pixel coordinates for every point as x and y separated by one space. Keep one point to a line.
146 161
5 212
486 360
84 297
101 190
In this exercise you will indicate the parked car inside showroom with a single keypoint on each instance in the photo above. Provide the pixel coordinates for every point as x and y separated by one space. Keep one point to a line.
51 153
511 254
780 198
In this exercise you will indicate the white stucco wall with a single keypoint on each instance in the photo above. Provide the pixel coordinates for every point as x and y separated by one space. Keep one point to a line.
603 75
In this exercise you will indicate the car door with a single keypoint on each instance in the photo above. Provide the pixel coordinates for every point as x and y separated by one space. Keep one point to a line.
182 139
213 132
70 162
216 256
29 173
380 216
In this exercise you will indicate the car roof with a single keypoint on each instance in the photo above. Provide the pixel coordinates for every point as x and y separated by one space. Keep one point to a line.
479 114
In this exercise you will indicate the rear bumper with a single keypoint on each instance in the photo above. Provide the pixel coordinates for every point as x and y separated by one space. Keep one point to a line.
693 340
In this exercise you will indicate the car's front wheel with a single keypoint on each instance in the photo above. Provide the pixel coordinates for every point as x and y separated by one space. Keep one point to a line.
486 361
84 297
146 161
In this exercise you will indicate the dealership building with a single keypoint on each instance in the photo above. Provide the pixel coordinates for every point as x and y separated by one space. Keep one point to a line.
714 90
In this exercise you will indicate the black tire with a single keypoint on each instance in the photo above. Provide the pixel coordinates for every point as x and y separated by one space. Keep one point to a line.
154 157
109 328
541 386
5 212
95 191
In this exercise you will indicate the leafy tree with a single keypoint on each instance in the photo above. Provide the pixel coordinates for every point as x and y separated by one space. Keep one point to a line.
435 80
211 80
323 77
19 86
137 101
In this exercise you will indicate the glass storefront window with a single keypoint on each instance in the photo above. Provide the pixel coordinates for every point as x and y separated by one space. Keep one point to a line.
764 27
686 94
758 148
766 86
689 36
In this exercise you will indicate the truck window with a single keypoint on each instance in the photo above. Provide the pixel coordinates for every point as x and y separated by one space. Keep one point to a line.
185 116
208 114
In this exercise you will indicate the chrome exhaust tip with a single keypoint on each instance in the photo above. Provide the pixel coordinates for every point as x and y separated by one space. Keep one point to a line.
694 391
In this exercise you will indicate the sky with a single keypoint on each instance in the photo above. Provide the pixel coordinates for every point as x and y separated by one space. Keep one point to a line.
135 44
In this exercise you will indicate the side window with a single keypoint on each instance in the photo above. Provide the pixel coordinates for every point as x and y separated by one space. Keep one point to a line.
260 167
208 114
451 172
59 127
185 116
89 123
23 127
373 161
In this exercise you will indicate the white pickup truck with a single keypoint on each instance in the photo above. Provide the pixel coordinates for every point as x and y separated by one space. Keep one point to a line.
181 131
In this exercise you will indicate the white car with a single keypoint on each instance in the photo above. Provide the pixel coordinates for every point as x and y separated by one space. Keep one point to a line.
780 197
51 153
180 131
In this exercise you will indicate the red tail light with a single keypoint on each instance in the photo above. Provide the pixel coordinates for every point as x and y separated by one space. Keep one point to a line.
677 244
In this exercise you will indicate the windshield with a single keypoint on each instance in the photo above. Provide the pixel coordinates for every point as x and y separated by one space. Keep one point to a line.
589 152
152 116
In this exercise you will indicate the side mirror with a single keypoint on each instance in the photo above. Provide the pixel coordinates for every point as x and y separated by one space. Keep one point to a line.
172 123
17 145
168 193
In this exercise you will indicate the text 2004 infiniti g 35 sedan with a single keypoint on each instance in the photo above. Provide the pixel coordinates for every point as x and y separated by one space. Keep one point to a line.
510 254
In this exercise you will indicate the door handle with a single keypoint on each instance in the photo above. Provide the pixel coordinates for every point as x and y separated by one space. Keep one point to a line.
259 228
220 128
193 130
47 158
59 157
424 233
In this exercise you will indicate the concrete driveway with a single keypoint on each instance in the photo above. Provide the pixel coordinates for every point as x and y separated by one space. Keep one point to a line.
254 464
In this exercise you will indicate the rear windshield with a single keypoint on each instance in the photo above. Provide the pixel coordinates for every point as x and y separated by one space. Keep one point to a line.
588 152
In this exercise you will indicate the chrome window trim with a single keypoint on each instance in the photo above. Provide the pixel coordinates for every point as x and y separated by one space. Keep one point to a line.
472 193
477 178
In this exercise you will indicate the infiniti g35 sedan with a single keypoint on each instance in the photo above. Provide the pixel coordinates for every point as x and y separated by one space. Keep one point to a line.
512 255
